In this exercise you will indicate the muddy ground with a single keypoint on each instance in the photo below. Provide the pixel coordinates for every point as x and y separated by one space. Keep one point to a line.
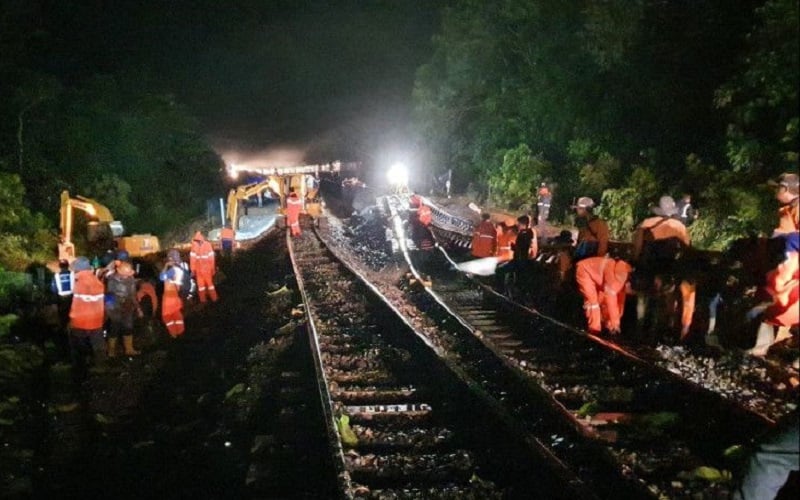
228 410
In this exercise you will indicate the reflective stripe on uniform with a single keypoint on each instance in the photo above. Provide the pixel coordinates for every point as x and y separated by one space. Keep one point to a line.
60 284
89 298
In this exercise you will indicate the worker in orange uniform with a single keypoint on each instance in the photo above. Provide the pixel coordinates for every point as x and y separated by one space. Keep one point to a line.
226 238
657 244
484 239
171 302
144 291
786 193
506 235
544 199
602 282
425 215
781 281
294 205
86 315
202 263
592 230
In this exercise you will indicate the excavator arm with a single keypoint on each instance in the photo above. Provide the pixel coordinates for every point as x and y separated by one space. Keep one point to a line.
281 180
244 192
95 211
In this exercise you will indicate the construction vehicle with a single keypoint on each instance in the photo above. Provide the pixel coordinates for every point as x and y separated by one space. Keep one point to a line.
243 193
280 181
103 232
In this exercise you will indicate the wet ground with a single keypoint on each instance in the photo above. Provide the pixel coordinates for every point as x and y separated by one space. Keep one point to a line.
228 410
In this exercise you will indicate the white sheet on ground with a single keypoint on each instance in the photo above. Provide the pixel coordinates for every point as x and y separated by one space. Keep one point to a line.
480 267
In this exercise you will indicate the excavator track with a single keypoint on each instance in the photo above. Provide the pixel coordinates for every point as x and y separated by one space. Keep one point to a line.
402 422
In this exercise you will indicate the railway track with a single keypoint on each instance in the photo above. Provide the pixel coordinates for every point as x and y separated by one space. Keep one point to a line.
403 423
654 424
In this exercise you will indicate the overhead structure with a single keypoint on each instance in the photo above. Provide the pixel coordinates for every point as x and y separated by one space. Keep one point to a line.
103 231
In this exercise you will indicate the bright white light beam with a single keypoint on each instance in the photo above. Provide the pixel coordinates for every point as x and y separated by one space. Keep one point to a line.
398 175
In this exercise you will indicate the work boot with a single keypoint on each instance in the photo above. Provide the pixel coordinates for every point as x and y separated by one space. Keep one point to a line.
765 338
127 342
111 344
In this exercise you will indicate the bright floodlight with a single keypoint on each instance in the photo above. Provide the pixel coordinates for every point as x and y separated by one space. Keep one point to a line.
233 171
398 175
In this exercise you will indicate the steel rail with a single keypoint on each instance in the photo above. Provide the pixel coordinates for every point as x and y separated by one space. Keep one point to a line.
537 448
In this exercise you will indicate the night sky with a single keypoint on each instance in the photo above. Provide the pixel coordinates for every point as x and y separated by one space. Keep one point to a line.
325 78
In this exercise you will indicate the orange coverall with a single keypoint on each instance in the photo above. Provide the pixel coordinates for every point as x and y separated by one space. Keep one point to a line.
663 228
783 284
146 289
601 281
504 240
425 215
294 205
484 240
202 263
172 304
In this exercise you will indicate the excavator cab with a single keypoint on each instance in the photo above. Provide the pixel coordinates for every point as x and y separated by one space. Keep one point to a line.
103 233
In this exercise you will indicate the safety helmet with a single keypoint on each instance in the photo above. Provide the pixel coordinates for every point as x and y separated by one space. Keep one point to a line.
81 264
584 202
123 255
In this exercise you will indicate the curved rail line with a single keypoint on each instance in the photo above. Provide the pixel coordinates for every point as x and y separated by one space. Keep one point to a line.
607 393
402 422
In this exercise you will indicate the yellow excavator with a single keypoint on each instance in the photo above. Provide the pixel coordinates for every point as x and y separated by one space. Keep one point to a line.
242 193
279 181
103 231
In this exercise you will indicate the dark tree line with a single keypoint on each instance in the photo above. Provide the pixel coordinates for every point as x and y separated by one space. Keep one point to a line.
80 115
617 99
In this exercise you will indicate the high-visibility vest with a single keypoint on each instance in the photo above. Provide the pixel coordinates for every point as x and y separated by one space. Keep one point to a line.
425 215
64 283
484 240
88 305
504 241
226 233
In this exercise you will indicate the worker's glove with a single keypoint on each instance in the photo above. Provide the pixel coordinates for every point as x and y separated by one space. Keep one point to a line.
757 311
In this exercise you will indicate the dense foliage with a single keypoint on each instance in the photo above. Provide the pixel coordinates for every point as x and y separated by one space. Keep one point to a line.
621 100
110 133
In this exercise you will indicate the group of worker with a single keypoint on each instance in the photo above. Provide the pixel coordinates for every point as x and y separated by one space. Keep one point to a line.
99 304
658 242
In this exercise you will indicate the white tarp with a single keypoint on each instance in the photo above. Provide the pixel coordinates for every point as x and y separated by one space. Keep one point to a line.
479 267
